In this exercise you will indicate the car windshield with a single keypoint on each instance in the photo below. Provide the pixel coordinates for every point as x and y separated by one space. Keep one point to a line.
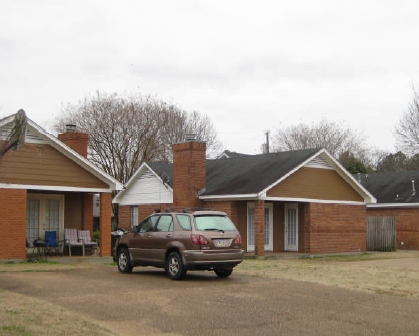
214 222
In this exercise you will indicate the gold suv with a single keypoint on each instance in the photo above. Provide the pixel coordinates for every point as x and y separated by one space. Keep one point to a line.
179 241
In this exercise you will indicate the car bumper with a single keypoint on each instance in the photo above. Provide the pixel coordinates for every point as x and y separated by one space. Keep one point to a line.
208 260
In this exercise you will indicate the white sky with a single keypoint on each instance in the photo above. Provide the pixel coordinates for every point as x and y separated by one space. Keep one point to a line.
251 66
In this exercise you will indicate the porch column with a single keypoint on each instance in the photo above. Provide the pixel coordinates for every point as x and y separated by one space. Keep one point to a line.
259 228
105 224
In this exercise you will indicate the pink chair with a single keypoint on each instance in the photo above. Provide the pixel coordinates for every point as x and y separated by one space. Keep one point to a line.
84 236
71 239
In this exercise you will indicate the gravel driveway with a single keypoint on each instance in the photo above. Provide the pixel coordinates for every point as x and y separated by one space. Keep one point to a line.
146 302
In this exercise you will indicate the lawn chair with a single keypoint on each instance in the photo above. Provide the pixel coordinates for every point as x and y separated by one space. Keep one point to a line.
84 236
52 245
71 239
29 247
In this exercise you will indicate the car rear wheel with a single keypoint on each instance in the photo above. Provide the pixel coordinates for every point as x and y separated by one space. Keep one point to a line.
223 272
174 266
124 263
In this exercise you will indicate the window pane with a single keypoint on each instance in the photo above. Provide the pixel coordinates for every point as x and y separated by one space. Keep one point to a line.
267 226
32 220
165 223
208 222
251 226
134 216
52 215
184 222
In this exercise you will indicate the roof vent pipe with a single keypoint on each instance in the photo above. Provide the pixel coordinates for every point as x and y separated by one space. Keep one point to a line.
190 137
413 188
70 128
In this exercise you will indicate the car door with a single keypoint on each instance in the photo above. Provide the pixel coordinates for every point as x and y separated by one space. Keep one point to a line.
141 245
162 237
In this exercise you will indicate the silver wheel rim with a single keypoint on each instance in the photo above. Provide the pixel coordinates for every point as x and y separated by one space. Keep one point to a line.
122 261
173 266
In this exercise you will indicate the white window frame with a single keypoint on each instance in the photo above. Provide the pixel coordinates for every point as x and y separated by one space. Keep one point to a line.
251 227
287 246
42 225
134 216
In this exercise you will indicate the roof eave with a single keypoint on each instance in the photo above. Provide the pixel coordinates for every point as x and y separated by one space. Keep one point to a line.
237 197
53 188
392 205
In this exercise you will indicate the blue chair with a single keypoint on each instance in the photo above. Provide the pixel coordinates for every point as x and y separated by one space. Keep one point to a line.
52 245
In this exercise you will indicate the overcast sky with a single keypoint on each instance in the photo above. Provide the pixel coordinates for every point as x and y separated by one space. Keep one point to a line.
251 66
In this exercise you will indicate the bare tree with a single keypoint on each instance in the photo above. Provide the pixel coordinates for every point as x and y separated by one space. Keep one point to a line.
341 142
407 131
126 131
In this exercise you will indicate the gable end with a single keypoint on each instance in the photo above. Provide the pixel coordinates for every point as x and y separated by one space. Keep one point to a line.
318 162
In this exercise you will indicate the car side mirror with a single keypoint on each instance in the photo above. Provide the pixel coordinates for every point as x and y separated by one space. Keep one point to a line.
135 228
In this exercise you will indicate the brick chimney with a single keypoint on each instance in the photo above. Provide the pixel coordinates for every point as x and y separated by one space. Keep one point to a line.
75 140
189 173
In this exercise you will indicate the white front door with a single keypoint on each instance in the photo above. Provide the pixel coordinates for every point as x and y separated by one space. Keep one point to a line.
268 214
44 213
291 227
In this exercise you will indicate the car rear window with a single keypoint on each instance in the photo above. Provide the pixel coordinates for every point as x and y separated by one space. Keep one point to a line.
214 222
184 222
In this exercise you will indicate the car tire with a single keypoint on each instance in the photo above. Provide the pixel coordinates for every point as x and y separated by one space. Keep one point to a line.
223 272
174 266
123 260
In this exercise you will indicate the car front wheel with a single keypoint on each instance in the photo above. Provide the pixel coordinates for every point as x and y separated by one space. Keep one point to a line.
124 264
174 266
223 272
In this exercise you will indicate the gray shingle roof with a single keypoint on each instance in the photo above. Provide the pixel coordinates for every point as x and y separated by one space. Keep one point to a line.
244 174
392 187
164 170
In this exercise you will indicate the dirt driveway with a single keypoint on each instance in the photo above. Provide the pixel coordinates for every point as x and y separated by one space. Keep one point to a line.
97 300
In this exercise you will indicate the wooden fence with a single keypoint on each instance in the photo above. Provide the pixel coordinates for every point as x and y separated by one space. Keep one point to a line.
381 233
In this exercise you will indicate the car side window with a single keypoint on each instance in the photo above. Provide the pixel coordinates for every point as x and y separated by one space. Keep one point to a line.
165 223
147 224
184 222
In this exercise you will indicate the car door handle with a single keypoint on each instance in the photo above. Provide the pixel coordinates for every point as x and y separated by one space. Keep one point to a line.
168 235
149 236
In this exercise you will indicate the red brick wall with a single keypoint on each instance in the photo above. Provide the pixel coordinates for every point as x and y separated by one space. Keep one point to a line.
76 140
333 228
407 225
13 223
259 228
124 217
189 173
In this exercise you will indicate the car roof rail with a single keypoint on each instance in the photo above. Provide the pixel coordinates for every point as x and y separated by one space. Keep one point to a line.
197 209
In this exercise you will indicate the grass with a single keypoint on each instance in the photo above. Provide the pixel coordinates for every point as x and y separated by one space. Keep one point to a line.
367 271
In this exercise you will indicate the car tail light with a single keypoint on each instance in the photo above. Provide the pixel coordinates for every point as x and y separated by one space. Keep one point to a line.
199 239
238 240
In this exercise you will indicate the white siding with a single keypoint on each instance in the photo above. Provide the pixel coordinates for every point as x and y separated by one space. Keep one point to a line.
30 136
146 189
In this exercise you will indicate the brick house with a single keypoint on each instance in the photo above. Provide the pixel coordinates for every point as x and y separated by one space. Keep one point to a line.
397 197
48 184
297 201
